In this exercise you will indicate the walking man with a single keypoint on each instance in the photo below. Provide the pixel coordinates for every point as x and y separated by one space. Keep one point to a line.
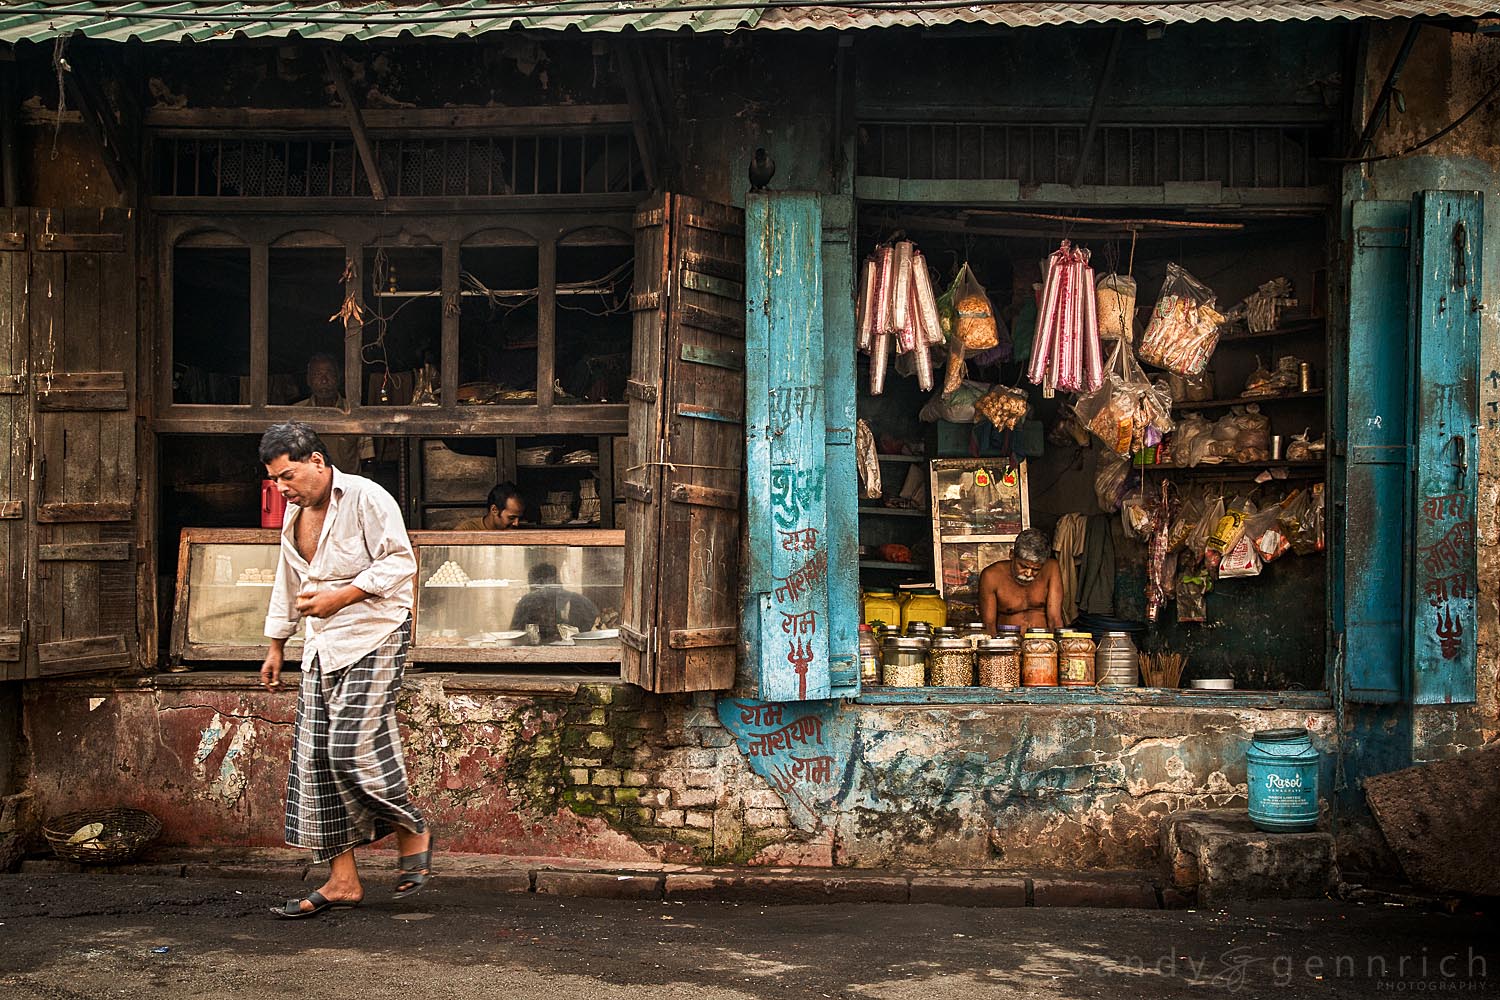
347 567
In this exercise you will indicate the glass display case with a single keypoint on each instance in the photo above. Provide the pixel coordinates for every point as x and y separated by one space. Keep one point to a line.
224 578
512 597
529 596
979 506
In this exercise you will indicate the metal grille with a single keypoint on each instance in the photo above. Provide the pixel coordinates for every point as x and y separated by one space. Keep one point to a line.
602 162
1260 156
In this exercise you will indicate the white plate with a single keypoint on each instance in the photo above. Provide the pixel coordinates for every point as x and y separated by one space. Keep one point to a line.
599 635
1213 684
503 636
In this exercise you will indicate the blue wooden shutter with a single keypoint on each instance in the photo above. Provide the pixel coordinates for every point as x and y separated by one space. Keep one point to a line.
841 488
1372 530
1445 311
787 620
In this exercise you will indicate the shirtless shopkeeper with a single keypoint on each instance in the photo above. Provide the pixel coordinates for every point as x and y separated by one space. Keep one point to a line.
1024 590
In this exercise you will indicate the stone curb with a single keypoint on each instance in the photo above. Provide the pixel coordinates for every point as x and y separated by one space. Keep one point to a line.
1134 890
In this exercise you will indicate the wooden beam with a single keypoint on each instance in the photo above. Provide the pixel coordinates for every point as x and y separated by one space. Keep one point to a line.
1097 108
356 124
100 128
451 121
640 114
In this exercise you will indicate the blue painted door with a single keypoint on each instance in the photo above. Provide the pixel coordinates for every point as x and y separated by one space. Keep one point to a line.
1374 487
1445 311
841 490
795 616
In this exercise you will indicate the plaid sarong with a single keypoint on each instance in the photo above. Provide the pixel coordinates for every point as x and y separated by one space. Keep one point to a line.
347 783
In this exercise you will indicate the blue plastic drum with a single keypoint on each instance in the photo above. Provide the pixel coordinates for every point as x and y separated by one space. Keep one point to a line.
1283 771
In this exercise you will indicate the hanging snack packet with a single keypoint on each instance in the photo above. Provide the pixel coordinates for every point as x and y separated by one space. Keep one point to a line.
1115 304
974 316
1192 594
1242 560
1184 328
1227 533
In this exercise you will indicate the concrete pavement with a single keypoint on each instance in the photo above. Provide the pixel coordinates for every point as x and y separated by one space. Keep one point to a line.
65 936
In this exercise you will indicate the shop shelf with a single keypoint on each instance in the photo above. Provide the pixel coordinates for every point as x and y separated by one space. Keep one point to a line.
914 459
1299 329
1210 404
878 564
1232 468
893 512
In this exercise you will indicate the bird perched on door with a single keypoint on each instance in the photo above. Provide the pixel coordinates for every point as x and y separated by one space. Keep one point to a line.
762 169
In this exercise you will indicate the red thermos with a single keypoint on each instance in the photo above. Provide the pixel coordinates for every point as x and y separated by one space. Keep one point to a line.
272 504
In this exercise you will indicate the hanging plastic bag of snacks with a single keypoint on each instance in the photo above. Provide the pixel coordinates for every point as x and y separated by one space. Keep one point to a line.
1114 298
867 461
1004 406
1111 481
1227 533
1193 586
1126 407
1184 327
974 316
1241 561
1302 521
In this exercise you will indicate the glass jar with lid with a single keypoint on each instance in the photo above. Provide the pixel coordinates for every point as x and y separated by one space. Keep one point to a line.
999 662
951 662
904 662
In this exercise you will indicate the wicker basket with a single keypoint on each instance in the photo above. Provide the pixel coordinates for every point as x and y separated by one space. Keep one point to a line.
125 832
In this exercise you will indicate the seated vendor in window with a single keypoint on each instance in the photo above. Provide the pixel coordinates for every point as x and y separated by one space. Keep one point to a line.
1024 590
548 605
504 510
324 378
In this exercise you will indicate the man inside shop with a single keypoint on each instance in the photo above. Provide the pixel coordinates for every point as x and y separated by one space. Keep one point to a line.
1024 590
325 376
548 605
505 509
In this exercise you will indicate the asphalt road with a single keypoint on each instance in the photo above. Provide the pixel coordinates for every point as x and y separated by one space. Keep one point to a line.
77 936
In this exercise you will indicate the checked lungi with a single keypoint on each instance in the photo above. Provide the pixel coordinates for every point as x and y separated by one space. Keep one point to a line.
347 784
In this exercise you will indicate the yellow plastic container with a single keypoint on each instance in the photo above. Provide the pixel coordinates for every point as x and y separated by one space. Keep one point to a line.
925 606
882 606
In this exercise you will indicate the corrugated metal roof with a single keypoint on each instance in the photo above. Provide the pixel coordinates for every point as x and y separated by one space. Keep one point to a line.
166 21
1028 15
173 21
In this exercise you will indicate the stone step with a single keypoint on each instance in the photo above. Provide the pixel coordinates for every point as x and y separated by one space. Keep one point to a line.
1220 857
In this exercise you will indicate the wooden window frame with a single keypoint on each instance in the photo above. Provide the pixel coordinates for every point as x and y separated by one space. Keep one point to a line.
259 233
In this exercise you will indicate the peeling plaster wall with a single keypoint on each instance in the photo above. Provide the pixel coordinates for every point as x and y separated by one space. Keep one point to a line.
605 771
1446 73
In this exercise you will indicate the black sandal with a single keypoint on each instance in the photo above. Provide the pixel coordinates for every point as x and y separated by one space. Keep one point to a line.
413 875
294 911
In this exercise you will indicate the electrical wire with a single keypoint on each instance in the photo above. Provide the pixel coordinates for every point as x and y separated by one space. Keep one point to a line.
1434 137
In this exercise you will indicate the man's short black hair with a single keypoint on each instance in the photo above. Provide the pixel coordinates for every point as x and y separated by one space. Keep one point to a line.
502 494
541 574
294 439
325 356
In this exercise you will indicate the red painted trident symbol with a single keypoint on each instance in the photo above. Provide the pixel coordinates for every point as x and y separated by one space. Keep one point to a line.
1450 632
799 656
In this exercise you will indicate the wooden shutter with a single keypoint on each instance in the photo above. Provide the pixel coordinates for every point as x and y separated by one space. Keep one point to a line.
801 611
1446 307
15 444
683 480
842 487
1373 525
82 319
